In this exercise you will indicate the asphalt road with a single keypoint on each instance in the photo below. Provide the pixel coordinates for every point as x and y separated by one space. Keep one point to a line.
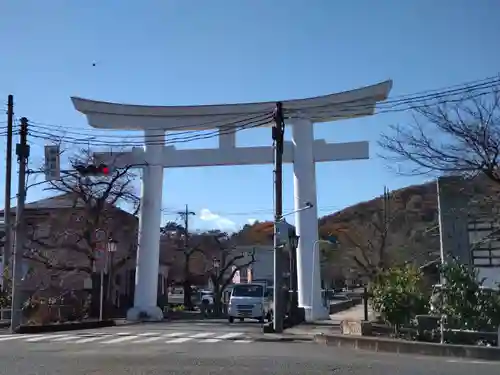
227 358
156 334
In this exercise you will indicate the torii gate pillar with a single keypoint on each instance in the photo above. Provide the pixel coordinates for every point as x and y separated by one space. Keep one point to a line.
148 252
306 220
304 151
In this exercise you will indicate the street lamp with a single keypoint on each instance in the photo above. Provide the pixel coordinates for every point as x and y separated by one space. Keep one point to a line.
331 240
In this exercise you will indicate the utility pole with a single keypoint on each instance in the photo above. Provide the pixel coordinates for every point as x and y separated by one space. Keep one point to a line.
185 217
278 140
187 255
23 152
7 248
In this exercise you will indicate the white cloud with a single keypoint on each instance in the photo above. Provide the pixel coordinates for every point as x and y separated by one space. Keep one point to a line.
222 223
252 221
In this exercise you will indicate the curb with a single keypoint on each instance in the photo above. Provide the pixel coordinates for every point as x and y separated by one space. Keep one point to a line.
64 327
386 345
297 338
279 338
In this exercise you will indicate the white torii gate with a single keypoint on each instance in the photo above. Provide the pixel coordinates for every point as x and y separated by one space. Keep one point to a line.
304 151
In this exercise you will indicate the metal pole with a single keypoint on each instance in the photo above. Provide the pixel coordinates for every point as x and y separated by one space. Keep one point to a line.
23 151
101 287
365 302
7 249
294 281
278 134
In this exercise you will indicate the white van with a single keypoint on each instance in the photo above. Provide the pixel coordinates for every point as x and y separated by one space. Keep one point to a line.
249 301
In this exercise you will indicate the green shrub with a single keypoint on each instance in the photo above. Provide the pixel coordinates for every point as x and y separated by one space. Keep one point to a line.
398 295
465 303
178 308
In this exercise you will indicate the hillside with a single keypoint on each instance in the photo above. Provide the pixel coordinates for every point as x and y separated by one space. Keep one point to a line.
401 227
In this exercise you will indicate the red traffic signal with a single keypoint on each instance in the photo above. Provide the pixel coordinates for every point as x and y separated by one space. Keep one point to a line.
93 170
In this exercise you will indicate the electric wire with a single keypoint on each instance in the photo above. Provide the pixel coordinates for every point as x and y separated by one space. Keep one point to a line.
352 104
419 100
171 141
401 99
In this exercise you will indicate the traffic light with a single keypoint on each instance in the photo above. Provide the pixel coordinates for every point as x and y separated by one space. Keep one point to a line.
93 170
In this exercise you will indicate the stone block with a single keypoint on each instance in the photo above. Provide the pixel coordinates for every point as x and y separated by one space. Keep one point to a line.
356 328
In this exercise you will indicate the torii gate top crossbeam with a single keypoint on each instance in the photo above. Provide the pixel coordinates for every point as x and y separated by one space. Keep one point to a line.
348 104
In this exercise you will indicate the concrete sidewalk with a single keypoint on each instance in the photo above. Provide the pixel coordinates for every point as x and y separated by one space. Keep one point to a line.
329 326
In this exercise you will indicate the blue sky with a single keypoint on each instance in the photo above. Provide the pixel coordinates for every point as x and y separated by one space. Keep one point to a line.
209 52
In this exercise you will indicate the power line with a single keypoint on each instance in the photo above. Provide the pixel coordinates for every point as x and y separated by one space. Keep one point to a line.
408 102
421 95
171 141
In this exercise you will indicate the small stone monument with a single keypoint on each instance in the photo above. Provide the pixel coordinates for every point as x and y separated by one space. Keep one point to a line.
356 327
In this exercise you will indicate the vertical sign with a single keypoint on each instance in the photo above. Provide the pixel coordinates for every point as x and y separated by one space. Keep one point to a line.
236 277
52 163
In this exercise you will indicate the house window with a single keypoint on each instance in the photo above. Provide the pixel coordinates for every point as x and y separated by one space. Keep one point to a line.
484 243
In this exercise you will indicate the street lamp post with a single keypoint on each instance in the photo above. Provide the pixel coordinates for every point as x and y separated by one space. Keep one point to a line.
294 243
108 251
331 241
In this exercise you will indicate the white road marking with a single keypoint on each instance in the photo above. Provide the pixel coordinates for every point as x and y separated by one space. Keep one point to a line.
179 340
150 339
120 339
175 334
12 337
88 339
149 334
243 341
208 341
44 337
230 335
202 334
67 338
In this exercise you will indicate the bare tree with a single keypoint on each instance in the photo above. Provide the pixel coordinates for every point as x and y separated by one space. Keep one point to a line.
225 263
456 136
70 236
382 238
181 241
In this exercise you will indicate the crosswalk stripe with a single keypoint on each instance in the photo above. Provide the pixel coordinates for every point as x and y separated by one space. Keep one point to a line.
67 338
175 334
243 341
149 339
179 340
44 337
88 339
202 334
208 341
12 337
120 339
149 334
229 335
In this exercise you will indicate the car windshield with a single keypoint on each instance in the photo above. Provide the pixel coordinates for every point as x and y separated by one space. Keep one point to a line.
248 291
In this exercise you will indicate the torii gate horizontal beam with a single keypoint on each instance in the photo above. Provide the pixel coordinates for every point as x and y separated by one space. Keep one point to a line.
173 158
348 104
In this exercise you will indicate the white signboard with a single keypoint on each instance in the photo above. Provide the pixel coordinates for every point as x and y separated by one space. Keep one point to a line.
52 163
